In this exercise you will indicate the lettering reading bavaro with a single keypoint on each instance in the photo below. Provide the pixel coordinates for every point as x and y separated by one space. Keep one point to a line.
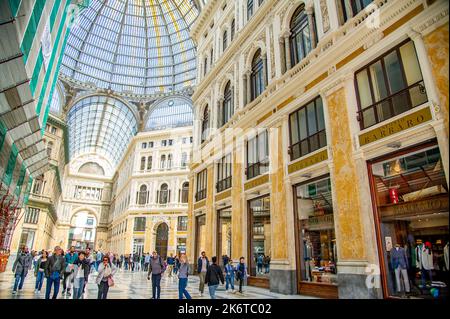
195 309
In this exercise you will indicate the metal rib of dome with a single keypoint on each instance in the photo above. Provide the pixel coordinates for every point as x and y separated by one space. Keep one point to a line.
133 46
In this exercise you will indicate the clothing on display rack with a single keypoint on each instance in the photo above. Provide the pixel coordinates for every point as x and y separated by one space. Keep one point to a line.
307 257
399 262
424 261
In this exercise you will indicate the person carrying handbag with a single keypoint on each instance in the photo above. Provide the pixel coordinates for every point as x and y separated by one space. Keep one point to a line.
106 271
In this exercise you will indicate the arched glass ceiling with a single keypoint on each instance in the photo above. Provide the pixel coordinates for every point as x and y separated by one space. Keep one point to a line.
133 46
170 113
102 125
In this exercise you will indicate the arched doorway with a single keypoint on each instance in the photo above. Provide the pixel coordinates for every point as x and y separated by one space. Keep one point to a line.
162 239
82 230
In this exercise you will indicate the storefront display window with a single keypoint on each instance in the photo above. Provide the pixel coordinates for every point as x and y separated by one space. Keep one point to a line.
224 233
411 196
317 239
260 237
200 234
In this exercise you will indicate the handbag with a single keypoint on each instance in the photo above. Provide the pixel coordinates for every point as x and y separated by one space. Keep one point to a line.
110 282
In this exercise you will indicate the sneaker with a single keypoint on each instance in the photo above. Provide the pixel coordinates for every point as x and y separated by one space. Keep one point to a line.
14 292
201 294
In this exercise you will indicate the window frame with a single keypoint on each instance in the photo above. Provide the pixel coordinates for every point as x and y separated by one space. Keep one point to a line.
201 185
255 168
224 173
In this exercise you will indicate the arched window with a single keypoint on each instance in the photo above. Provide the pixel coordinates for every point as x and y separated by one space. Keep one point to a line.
142 195
169 161
227 107
164 194
205 124
249 9
233 26
38 185
257 77
185 192
300 39
149 162
184 159
163 161
225 40
142 163
49 149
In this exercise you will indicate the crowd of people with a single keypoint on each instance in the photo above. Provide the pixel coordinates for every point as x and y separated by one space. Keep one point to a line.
75 268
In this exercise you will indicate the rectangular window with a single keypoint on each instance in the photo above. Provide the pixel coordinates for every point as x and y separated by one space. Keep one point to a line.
164 143
224 230
351 8
389 86
150 144
201 185
54 130
307 129
182 223
170 142
144 145
139 224
224 173
257 155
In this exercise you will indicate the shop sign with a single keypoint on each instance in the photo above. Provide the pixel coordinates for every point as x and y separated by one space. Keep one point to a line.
321 222
309 161
396 126
439 203
257 182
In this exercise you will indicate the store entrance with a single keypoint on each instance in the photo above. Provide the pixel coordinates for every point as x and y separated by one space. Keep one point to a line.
412 209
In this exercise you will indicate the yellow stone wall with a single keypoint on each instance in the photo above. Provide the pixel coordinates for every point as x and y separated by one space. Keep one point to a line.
347 213
237 213
210 218
190 241
436 44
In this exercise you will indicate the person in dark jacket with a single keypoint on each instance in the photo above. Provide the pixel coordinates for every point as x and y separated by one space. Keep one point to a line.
39 271
81 275
54 269
23 263
202 267
241 273
156 268
213 276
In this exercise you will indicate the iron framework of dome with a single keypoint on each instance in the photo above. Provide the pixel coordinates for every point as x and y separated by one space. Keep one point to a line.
140 47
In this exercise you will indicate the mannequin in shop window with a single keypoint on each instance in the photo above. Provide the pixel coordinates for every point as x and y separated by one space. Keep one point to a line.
308 254
424 261
399 263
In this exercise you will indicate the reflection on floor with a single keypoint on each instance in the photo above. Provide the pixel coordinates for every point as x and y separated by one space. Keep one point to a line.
134 285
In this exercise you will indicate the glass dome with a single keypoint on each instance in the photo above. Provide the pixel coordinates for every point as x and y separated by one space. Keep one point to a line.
170 113
138 47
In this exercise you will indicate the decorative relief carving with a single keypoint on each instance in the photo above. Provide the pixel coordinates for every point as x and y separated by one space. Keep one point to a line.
325 16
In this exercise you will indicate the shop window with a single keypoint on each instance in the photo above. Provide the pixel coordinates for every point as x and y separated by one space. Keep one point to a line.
390 85
300 38
227 109
260 237
201 185
224 233
224 173
307 129
182 223
257 155
317 253
257 75
139 224
411 197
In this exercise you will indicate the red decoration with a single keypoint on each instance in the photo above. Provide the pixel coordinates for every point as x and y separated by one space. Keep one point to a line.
393 194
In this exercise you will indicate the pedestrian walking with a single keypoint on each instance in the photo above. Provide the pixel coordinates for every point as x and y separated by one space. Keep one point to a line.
39 272
229 275
81 275
213 276
22 264
183 275
156 269
104 280
202 267
54 269
242 273
70 259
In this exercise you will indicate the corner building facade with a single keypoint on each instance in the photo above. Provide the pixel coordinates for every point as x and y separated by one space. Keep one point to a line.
321 144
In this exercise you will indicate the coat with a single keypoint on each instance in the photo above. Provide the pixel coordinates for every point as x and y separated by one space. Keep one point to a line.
199 264
22 264
213 275
424 257
50 265
101 272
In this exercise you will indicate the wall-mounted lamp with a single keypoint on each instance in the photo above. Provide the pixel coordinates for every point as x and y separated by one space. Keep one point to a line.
395 145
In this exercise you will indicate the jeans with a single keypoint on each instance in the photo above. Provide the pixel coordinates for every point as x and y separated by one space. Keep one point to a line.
39 280
103 290
78 292
156 286
20 278
423 272
126 265
241 282
212 291
266 268
202 277
54 279
169 270
182 284
229 281
259 268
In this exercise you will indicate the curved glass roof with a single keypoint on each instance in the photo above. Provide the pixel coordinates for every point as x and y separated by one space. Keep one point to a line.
133 46
169 113
102 125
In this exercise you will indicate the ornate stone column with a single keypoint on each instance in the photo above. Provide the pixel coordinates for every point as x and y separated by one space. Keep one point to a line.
219 111
265 69
287 50
249 86
312 30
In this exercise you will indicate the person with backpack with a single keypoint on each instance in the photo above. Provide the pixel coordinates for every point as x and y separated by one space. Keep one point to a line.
54 269
156 267
229 275
241 271
183 275
23 263
213 276
170 264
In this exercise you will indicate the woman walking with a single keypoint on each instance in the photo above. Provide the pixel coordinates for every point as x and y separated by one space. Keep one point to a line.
104 280
241 270
183 273
81 273
229 275
54 269
40 272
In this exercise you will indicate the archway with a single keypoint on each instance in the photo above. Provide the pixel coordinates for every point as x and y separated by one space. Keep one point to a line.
82 232
162 239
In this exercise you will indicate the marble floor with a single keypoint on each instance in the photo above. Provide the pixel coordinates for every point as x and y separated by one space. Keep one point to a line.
134 285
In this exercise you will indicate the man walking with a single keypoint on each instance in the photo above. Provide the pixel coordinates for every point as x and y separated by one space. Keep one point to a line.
213 276
170 263
54 269
156 268
21 266
202 267
146 261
